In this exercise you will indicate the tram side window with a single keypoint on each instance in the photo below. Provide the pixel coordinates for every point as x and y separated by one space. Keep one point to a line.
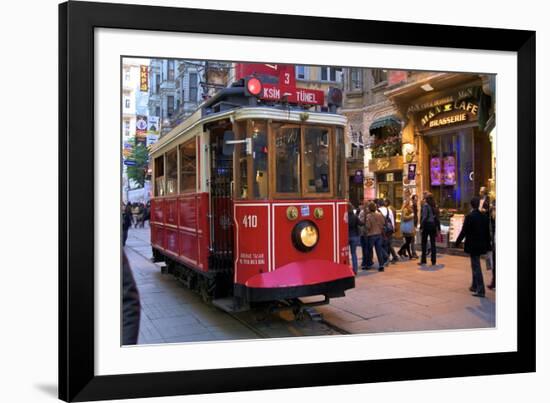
171 172
188 166
316 170
287 160
259 160
159 176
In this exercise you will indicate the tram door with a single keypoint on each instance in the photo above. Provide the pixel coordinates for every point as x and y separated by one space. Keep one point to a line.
221 205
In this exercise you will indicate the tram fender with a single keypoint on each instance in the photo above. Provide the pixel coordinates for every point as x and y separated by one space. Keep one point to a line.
299 279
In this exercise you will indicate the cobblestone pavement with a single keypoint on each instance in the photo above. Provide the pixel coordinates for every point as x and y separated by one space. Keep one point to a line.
173 314
408 297
405 297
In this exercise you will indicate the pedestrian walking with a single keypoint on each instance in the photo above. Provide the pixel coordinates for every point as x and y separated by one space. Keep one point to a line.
389 228
485 201
478 241
374 223
126 222
407 229
414 205
147 212
135 213
362 216
492 228
429 228
353 235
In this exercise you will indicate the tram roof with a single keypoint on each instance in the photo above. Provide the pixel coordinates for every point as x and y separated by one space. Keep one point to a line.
239 113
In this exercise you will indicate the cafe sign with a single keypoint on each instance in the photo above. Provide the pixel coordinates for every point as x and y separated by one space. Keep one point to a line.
449 113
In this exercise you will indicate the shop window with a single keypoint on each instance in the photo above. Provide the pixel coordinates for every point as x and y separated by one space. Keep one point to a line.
171 172
188 166
316 170
451 170
287 160
159 176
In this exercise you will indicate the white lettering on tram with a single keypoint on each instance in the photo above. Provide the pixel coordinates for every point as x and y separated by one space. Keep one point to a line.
306 97
272 93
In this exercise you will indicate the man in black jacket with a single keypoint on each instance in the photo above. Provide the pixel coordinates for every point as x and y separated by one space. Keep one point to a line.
478 241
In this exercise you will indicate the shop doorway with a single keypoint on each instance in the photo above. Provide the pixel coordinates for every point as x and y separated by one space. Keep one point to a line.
390 186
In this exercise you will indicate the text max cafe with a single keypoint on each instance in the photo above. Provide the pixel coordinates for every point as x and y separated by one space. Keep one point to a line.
470 107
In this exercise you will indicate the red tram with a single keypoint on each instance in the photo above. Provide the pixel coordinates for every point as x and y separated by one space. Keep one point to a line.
249 199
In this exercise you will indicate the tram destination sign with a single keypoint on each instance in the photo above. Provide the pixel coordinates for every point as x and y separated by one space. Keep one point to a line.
272 92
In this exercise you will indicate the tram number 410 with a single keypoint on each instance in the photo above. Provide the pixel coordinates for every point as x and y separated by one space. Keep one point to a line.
250 221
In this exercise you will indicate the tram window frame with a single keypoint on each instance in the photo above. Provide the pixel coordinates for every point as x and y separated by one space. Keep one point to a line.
305 187
275 128
186 187
256 128
159 184
239 157
167 170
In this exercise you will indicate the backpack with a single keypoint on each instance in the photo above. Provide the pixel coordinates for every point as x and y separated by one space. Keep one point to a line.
388 225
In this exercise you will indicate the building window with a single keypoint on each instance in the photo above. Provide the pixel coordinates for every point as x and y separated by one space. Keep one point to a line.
331 74
127 103
301 72
127 75
356 79
126 128
379 76
170 106
157 83
193 88
170 70
157 111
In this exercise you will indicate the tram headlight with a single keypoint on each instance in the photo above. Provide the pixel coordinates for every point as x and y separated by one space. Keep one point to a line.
305 236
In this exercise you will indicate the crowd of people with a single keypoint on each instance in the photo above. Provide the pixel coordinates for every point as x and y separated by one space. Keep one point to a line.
135 214
372 228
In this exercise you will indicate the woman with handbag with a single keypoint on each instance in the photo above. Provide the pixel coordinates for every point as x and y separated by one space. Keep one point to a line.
407 229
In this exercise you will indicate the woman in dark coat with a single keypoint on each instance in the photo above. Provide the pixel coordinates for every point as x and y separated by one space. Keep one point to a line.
429 227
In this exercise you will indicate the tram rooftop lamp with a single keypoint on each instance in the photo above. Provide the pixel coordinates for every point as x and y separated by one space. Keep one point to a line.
253 86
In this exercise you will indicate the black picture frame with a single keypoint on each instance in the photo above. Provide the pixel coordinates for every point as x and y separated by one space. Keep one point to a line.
77 21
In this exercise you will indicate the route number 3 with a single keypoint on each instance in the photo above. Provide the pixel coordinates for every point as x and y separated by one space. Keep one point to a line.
250 221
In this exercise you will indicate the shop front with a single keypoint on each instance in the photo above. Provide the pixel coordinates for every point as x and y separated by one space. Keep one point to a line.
455 155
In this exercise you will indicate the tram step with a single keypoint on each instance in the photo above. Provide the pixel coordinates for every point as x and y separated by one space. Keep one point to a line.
229 305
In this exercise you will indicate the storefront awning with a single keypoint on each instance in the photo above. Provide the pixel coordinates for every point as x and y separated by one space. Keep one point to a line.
391 122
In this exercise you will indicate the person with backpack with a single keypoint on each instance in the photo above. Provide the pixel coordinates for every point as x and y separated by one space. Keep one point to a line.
389 228
429 227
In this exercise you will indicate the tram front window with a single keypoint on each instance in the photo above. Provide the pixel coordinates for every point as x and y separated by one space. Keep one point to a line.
317 160
287 160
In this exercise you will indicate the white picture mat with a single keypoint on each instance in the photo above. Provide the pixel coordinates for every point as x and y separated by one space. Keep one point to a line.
113 359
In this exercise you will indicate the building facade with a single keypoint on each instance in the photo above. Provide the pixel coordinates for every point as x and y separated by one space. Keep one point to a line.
134 103
175 90
423 132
